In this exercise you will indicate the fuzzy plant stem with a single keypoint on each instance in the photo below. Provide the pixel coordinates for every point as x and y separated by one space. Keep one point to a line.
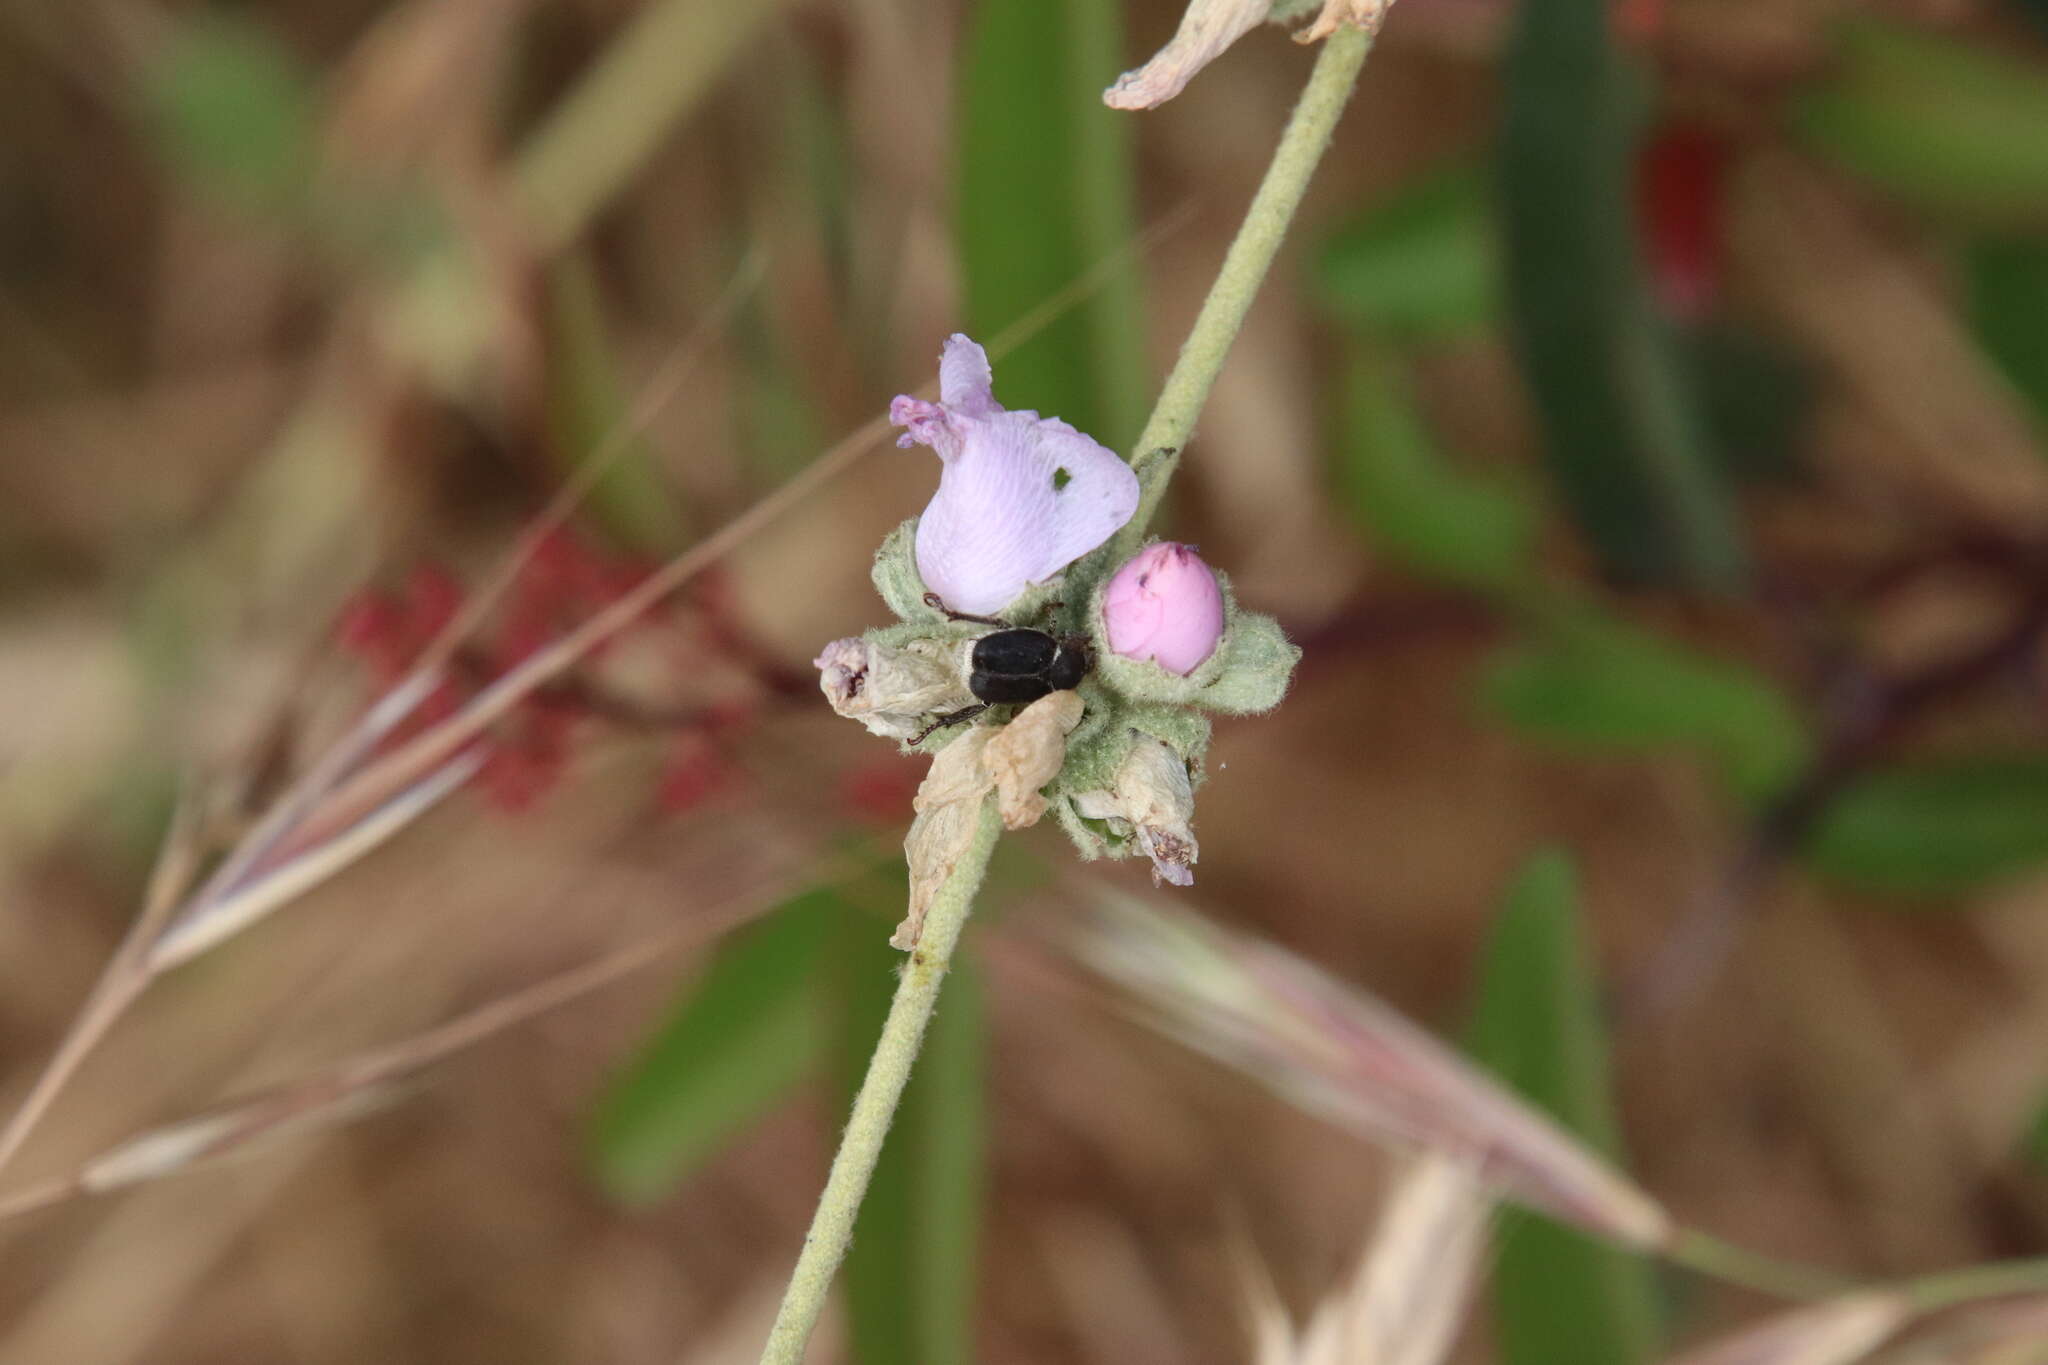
1172 421
880 1092
1244 270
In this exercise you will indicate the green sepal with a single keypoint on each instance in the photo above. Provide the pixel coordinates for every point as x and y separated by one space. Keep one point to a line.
1091 838
896 578
1179 729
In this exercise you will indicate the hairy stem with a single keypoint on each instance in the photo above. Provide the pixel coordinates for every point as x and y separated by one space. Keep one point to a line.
1244 270
1172 421
875 1107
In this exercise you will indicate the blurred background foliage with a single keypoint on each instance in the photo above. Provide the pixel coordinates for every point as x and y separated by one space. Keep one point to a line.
1646 437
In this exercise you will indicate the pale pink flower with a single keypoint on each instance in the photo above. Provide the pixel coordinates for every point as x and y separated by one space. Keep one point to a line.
1209 27
1164 605
1020 496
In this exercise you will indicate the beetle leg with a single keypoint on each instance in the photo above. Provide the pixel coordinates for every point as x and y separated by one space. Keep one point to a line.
931 599
950 718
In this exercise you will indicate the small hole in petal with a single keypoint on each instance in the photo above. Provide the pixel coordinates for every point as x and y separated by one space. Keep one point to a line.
1060 479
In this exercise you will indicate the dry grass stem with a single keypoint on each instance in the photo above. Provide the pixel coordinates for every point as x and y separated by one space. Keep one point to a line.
1855 299
213 921
1837 1332
335 1094
2011 1333
341 809
1407 1301
1336 1051
346 804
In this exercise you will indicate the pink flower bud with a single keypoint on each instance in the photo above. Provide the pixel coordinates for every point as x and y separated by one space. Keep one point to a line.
1164 605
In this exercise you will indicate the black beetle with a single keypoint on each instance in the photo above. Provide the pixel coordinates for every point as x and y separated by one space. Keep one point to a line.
1012 664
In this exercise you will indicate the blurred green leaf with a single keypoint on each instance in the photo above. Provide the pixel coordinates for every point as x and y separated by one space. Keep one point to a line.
603 130
1951 125
735 1042
2036 11
1561 1297
2033 1144
588 414
233 112
1419 508
2009 307
911 1274
817 137
1423 264
1622 434
1753 395
1598 684
951 1118
778 428
1937 827
1044 190
878 1274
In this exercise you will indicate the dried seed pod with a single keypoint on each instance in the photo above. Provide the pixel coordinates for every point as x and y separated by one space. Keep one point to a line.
947 805
1028 753
891 690
1152 800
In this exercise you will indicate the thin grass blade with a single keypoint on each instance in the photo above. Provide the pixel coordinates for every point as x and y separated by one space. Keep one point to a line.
1561 1298
1338 1052
738 1039
208 922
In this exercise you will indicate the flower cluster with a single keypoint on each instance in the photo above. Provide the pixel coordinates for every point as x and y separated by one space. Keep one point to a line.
1029 662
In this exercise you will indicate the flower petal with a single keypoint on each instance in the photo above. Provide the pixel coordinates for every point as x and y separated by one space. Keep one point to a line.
1094 492
1020 496
965 383
1023 499
1164 605
1208 27
924 424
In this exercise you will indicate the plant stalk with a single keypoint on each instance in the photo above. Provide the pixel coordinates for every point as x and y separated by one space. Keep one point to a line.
1999 1279
1244 269
874 1108
1222 314
1732 1264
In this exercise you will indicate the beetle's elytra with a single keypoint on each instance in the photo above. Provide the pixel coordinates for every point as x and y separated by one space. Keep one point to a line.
1021 665
1012 665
